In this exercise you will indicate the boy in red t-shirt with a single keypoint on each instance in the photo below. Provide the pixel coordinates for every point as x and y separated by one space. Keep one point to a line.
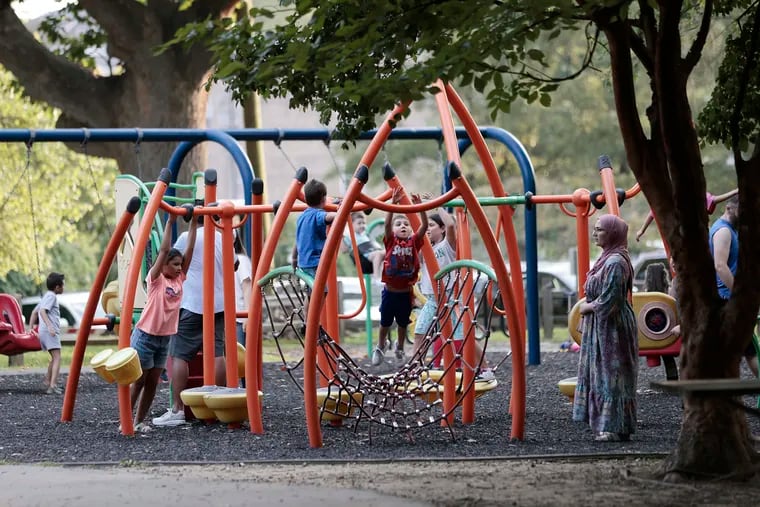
400 271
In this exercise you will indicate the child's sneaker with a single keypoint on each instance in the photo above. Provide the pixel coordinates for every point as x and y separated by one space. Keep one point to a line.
377 357
485 375
143 428
399 354
54 390
170 418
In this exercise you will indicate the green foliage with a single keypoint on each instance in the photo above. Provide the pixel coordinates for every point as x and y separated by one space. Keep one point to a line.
732 116
75 45
52 202
352 60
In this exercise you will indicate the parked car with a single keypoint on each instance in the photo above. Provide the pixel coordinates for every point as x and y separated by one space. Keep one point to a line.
71 305
644 260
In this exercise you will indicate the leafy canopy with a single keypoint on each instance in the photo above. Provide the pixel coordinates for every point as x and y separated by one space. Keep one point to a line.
356 59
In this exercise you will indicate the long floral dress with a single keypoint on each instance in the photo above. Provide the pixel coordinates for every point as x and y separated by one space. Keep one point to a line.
605 395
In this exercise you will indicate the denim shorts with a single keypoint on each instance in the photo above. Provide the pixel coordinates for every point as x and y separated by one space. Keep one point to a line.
151 349
312 272
429 314
188 341
395 305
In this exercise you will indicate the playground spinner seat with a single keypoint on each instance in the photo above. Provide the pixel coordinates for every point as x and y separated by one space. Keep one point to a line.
413 396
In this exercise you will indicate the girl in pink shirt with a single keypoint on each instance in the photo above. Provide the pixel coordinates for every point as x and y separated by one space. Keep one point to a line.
159 319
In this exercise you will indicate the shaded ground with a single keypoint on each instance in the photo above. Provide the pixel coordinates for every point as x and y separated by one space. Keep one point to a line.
30 432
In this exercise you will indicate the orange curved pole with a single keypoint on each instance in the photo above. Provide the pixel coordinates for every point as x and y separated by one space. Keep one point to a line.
464 250
334 236
253 329
130 288
72 383
497 188
608 185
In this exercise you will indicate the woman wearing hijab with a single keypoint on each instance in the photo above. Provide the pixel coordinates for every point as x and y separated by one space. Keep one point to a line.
605 395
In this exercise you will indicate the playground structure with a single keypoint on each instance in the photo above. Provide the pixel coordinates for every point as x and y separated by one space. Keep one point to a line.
324 361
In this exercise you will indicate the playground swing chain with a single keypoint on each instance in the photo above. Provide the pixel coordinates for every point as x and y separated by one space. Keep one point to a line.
94 182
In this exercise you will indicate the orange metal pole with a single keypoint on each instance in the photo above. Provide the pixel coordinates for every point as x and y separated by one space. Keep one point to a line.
253 329
513 317
608 185
505 212
334 237
464 250
582 210
130 288
257 240
72 383
228 275
209 249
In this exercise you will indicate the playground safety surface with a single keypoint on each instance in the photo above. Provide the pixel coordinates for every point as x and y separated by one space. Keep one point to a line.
30 432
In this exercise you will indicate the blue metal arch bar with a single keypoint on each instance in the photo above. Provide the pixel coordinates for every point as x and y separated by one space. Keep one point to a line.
190 137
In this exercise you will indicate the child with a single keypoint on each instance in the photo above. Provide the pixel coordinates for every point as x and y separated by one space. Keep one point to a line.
159 319
311 231
442 234
400 269
371 255
49 315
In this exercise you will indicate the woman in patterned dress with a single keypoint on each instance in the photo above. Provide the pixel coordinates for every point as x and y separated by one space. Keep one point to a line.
605 394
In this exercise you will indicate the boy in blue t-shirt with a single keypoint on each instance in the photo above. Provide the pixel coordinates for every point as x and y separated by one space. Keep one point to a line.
311 230
401 269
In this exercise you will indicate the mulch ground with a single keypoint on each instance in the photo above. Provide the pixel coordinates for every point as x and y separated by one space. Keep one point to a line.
30 430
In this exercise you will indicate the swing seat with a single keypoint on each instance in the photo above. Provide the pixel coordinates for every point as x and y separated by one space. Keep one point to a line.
13 337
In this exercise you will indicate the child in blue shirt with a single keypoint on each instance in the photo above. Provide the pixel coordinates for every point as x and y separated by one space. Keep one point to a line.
311 228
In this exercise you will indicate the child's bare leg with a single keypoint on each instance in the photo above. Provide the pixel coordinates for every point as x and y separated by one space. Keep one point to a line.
150 381
383 337
417 344
55 366
135 390
401 338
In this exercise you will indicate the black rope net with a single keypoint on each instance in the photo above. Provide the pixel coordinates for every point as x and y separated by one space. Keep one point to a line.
411 397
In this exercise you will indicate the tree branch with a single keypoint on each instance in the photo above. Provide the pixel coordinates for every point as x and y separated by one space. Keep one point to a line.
121 20
695 52
48 77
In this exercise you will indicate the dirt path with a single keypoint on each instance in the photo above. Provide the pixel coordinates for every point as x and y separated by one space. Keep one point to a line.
531 482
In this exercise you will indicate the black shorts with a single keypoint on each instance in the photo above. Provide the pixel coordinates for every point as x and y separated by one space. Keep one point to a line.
188 341
395 305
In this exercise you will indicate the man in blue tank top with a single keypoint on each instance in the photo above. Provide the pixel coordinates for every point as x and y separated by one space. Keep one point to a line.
724 247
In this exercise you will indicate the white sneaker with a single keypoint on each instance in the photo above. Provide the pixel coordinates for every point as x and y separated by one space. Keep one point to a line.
485 376
377 357
170 419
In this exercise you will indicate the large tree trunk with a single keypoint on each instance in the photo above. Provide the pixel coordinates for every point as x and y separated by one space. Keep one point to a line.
164 90
714 440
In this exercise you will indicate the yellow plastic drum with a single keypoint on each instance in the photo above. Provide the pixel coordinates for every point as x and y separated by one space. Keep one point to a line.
334 408
124 366
194 398
98 363
567 387
656 316
229 404
241 360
